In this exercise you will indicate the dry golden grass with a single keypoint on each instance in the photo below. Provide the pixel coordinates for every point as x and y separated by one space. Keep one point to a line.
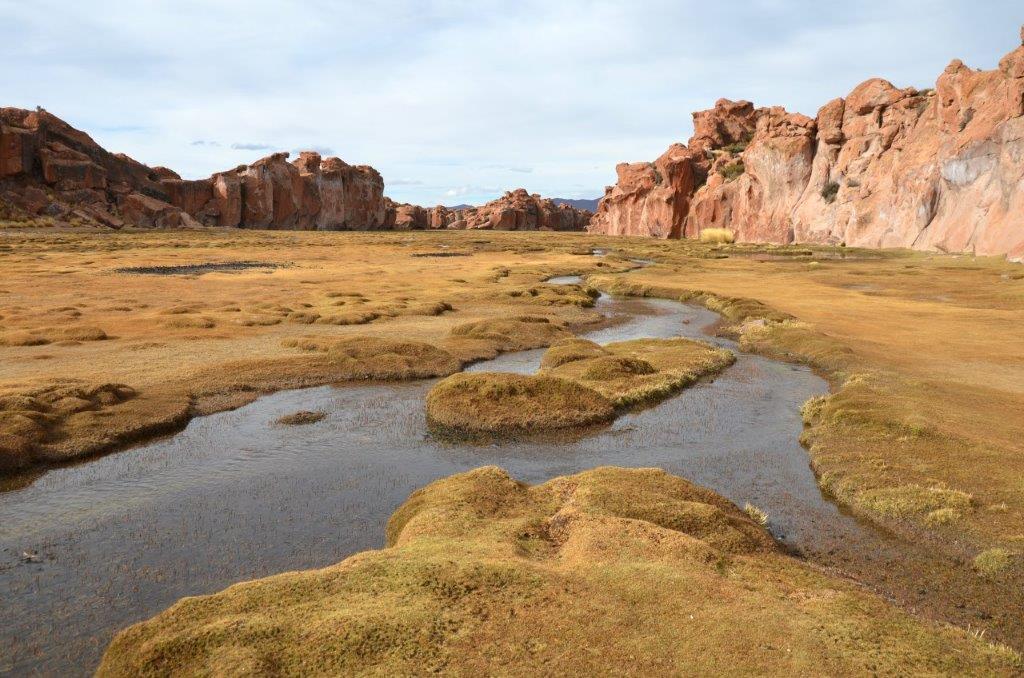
301 418
611 571
637 372
498 402
581 384
925 356
717 235
202 341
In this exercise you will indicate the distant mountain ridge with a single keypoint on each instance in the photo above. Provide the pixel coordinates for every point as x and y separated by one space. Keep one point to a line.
579 203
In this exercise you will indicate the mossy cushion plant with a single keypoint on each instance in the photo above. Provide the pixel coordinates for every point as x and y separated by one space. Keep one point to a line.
610 571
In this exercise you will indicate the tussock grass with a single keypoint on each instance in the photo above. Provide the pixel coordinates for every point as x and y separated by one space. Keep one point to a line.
756 514
991 562
23 339
82 333
300 418
487 338
570 350
717 235
580 384
486 575
64 420
497 402
190 322
557 295
367 357
641 371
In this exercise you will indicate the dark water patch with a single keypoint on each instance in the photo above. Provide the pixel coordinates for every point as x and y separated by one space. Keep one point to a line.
199 269
443 254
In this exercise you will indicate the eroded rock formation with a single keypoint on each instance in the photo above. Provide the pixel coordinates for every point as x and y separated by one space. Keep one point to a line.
48 168
517 210
939 169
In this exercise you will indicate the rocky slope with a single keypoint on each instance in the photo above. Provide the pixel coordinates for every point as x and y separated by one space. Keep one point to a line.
50 169
517 210
936 169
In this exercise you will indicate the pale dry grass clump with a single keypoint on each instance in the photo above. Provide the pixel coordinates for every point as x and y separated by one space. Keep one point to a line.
756 514
82 333
717 235
301 418
992 561
487 575
498 402
190 322
557 295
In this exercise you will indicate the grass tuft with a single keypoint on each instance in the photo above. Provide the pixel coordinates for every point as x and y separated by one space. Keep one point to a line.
717 235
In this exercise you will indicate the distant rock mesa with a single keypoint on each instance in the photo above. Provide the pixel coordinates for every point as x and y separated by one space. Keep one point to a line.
938 169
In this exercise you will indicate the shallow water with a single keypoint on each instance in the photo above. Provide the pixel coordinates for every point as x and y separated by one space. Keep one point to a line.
234 496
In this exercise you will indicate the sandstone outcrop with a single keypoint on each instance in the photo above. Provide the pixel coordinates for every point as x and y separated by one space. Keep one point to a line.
50 169
517 210
939 169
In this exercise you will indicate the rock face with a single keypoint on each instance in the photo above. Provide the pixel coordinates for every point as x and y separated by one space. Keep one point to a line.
939 169
48 168
517 210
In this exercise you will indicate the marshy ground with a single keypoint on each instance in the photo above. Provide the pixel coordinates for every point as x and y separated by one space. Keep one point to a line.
924 353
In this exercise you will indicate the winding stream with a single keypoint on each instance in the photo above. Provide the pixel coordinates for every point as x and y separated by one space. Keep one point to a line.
234 496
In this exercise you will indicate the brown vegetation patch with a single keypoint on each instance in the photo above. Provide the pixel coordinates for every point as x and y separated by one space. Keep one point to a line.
65 420
498 402
301 418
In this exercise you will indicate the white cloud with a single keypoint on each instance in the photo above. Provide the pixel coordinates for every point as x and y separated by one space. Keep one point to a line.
456 93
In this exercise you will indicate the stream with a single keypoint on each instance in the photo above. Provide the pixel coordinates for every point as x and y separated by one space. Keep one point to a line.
234 496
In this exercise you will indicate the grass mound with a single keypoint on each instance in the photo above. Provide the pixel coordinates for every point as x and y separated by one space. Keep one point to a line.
581 383
639 371
570 350
497 402
300 418
362 357
484 339
611 571
66 419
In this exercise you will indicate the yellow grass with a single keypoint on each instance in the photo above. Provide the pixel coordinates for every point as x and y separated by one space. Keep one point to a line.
580 384
611 571
639 371
191 344
717 235
497 402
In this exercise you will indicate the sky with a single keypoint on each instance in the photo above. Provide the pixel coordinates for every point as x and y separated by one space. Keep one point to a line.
457 101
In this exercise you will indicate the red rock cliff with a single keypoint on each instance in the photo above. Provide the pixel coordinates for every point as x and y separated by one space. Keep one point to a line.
938 169
517 210
48 168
